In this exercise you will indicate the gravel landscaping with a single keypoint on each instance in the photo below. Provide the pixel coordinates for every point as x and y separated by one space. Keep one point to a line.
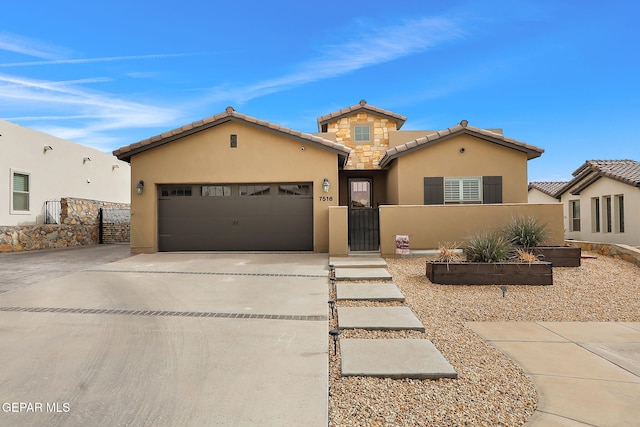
490 389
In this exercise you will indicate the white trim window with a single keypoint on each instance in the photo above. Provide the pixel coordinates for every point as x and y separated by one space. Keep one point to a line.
362 133
20 184
463 190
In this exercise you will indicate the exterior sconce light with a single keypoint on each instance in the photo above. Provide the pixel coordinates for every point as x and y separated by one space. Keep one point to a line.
325 186
140 187
86 159
47 148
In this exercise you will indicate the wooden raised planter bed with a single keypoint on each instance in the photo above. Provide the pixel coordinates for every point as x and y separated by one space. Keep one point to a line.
490 273
559 256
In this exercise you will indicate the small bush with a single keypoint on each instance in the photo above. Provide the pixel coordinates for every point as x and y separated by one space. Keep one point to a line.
526 232
525 256
487 247
449 252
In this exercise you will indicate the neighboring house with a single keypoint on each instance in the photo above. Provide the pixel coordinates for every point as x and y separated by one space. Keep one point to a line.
544 192
234 182
37 168
602 202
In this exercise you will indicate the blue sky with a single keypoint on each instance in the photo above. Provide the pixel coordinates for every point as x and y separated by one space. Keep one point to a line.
561 75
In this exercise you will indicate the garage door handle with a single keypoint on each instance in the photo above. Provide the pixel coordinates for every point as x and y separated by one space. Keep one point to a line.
235 222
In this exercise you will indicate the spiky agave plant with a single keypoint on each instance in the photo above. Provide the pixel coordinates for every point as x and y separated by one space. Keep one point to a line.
526 232
489 246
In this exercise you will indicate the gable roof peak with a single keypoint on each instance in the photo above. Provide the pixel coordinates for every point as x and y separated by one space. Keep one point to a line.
361 106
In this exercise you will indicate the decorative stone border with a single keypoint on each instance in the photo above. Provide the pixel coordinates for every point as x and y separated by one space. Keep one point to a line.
620 251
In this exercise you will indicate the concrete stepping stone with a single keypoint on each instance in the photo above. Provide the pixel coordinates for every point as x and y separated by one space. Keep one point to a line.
364 273
357 262
393 358
378 318
368 292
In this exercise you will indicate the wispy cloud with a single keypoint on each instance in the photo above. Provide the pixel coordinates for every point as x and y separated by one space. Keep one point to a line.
30 47
90 60
376 45
93 113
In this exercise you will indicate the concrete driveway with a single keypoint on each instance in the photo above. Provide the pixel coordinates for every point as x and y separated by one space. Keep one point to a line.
169 339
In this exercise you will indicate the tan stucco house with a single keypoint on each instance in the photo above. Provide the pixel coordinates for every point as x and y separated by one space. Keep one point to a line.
602 202
235 182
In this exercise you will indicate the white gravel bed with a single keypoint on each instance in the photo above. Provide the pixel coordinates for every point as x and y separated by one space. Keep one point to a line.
490 390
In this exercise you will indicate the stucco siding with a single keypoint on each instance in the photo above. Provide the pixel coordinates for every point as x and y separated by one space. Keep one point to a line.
479 158
56 173
207 158
537 196
601 189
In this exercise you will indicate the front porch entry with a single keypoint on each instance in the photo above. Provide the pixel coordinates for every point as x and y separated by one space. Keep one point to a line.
364 220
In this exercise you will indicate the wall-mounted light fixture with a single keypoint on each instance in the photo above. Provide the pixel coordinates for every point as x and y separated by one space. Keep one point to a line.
140 187
325 185
47 148
86 159
114 167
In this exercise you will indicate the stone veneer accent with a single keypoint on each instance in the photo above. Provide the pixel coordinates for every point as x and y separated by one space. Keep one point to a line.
79 226
619 251
365 156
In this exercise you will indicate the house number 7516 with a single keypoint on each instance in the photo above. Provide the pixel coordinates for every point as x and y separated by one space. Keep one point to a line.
325 198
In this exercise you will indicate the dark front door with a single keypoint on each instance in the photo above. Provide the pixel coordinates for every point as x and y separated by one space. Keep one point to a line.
364 234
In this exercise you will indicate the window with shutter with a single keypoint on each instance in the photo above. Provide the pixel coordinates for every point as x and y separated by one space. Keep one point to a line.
463 190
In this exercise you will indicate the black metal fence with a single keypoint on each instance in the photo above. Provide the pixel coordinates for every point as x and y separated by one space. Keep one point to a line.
52 212
364 229
114 225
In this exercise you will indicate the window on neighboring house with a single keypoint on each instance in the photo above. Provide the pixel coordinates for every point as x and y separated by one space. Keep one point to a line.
620 213
595 214
20 199
608 220
362 133
575 215
463 190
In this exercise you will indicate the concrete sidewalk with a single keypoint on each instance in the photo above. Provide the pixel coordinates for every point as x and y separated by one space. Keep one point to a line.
585 373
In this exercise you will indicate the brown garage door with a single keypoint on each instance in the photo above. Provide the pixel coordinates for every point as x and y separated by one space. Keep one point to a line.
236 217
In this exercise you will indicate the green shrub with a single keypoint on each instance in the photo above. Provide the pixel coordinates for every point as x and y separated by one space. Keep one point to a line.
526 232
487 247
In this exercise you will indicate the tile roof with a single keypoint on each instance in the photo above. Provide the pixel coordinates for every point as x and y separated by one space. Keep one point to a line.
125 153
362 105
626 171
548 187
461 128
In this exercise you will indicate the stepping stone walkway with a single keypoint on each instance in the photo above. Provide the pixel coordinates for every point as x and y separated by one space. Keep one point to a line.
362 274
357 262
393 358
378 318
368 292
387 358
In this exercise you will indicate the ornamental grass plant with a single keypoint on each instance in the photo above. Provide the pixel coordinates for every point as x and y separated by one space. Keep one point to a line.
526 232
489 246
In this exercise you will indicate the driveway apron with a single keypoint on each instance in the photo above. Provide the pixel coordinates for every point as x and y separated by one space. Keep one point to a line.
170 339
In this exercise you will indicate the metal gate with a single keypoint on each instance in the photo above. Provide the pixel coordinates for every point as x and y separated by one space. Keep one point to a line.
364 229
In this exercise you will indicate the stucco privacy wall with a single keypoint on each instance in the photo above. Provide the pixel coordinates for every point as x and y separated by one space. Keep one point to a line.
444 158
79 226
61 171
207 158
599 189
430 226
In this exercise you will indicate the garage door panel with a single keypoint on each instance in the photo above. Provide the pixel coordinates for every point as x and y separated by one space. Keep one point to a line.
231 222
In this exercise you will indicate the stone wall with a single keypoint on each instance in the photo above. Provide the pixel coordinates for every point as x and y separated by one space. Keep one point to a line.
624 252
79 226
364 155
